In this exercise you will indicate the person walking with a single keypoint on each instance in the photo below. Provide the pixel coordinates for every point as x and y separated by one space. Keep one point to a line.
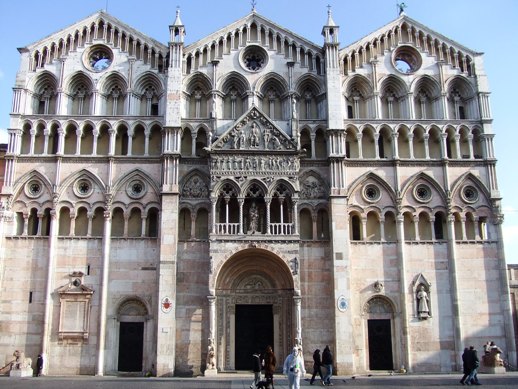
317 367
327 362
39 365
473 364
465 368
256 367
294 368
269 366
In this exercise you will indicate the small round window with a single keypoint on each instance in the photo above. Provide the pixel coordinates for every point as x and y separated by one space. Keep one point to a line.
422 193
33 189
136 189
254 58
98 58
406 59
83 188
469 194
371 193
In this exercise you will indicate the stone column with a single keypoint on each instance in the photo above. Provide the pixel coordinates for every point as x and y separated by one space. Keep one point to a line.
457 323
103 303
45 336
298 319
405 337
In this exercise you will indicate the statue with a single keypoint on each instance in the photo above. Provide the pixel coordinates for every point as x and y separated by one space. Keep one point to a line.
422 298
254 136
293 107
20 366
491 356
211 356
294 265
254 219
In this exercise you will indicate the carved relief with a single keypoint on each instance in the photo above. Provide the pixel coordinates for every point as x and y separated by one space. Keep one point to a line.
241 164
312 188
195 188
254 132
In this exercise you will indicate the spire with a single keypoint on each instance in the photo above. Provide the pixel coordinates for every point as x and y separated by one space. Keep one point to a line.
177 21
330 21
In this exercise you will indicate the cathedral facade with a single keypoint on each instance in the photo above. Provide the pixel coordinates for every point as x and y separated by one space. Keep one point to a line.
172 208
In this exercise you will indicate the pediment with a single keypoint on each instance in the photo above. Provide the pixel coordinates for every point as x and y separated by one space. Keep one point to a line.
247 21
87 24
254 131
408 22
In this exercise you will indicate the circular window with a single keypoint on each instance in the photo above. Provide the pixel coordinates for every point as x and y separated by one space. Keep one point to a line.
406 59
422 193
34 188
254 58
371 193
136 189
83 188
98 58
469 194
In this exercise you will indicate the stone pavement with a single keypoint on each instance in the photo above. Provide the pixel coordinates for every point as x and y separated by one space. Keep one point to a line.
242 381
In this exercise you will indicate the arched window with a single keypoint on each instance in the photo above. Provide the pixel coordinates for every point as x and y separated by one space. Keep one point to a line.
135 223
64 222
117 222
184 224
202 224
306 225
152 223
355 227
81 223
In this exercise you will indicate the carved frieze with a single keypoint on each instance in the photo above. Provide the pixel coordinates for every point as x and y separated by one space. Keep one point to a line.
230 164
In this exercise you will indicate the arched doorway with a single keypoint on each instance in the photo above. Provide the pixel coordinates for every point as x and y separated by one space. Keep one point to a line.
133 336
254 308
380 327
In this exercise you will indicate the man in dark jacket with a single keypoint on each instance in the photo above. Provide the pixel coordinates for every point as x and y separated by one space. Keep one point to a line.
256 367
317 363
473 364
327 362
465 368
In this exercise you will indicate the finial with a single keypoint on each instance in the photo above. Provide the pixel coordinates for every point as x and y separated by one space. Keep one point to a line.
254 2
401 7
329 9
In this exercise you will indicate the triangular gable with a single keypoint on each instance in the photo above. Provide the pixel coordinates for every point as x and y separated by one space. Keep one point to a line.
404 19
254 131
259 20
87 22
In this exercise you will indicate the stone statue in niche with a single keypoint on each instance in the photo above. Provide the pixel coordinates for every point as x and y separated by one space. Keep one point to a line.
254 219
423 309
294 265
266 136
293 107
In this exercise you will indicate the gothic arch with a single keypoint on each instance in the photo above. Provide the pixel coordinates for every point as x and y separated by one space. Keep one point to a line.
33 174
370 176
424 177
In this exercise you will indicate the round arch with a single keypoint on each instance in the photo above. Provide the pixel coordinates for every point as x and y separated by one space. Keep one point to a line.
256 297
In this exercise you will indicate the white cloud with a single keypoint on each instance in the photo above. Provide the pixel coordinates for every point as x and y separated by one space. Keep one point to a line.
510 233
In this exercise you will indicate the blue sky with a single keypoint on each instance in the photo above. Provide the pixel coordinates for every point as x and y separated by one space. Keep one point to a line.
489 27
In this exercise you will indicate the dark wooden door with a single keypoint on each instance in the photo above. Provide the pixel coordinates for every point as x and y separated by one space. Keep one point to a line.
254 331
131 342
380 345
